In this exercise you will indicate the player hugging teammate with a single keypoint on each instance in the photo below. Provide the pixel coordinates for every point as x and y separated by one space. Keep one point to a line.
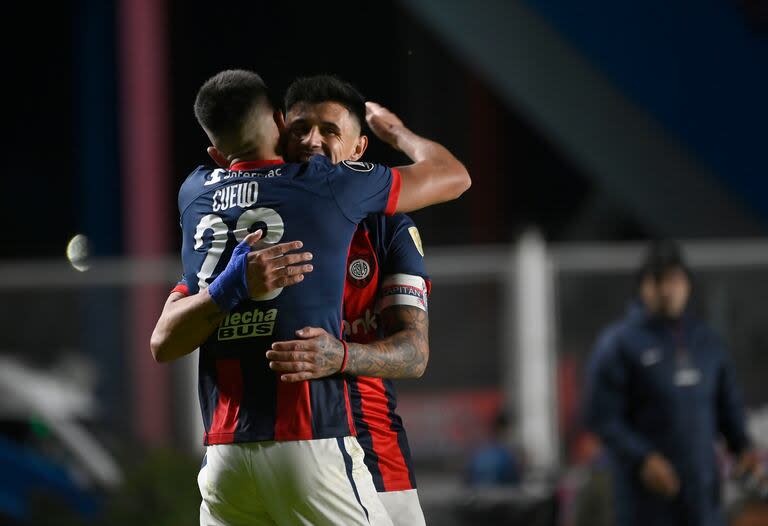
307 434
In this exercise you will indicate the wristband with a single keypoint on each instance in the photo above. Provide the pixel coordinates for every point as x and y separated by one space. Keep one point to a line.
346 356
231 286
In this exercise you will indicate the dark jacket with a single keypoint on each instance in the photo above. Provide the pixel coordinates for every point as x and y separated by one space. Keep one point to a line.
637 403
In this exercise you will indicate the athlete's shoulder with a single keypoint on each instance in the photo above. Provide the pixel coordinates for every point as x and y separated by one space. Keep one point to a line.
321 163
359 166
398 244
400 229
193 185
398 221
197 177
385 227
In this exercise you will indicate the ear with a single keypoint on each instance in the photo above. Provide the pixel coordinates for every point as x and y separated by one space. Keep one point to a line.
279 120
219 158
360 147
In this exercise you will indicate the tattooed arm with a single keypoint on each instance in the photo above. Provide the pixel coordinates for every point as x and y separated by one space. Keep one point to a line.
402 354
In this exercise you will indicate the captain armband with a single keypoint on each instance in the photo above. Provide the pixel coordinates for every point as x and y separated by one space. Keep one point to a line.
402 289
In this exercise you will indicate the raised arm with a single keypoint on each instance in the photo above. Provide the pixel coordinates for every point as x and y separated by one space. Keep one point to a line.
434 177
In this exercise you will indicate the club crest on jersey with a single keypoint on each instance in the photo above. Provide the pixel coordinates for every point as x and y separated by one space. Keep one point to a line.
358 166
360 270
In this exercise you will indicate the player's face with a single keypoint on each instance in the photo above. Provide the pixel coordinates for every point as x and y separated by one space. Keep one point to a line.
649 294
674 291
327 128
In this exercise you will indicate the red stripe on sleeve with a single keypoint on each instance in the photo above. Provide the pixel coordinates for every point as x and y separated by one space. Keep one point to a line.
394 192
293 418
182 288
229 384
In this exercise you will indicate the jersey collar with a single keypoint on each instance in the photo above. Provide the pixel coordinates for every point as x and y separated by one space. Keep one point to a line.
252 165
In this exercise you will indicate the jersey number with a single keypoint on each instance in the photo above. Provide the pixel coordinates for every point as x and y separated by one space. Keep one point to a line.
247 222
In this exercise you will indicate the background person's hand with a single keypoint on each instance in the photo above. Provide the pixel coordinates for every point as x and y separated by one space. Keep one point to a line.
660 476
275 267
750 471
315 355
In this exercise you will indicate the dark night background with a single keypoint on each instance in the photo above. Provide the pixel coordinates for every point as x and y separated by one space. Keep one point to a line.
591 121
63 99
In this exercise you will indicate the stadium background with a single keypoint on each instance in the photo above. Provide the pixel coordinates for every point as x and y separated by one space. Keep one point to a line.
587 129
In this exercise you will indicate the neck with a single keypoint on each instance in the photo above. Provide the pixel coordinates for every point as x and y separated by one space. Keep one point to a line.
257 154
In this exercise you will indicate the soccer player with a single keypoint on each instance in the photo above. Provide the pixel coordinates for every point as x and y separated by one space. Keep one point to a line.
385 295
278 452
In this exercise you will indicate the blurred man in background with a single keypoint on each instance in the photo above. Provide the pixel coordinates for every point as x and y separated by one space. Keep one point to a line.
661 391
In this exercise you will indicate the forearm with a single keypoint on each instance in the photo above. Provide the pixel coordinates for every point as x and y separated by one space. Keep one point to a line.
435 176
316 354
401 355
185 323
605 410
621 439
444 167
418 148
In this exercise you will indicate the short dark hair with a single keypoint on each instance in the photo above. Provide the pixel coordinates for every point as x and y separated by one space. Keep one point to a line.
326 88
223 103
661 256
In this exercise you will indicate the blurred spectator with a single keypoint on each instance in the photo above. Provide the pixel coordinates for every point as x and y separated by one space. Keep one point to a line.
494 464
593 505
660 393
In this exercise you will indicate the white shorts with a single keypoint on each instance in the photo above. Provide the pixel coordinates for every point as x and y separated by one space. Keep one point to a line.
305 482
403 507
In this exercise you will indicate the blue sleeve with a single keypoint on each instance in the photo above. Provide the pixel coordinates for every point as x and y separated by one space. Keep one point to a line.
191 259
362 188
191 186
607 400
730 408
405 252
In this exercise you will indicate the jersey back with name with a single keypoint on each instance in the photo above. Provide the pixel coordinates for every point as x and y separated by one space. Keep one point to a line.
318 203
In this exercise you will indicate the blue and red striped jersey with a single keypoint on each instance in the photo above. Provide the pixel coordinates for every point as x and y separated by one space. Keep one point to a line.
384 252
316 202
